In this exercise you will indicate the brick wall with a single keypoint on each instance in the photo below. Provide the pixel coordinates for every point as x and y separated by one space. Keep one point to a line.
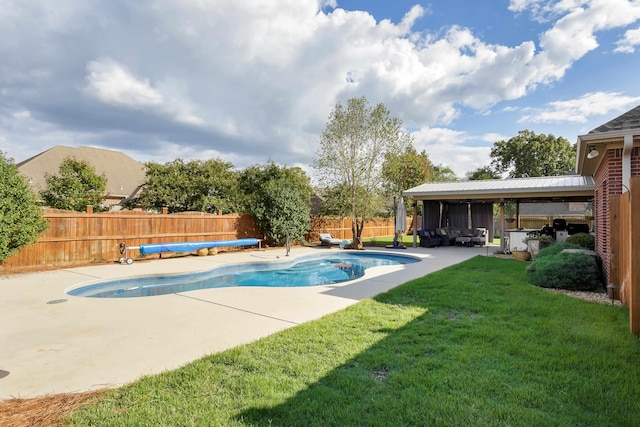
608 182
601 212
635 162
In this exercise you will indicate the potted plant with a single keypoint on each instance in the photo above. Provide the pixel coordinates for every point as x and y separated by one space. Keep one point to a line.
521 255
588 214
538 241
510 211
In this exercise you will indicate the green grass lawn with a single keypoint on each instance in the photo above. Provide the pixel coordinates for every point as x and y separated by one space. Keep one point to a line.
469 345
381 241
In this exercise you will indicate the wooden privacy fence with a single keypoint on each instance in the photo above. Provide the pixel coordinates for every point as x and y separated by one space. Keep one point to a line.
76 238
624 261
82 238
341 228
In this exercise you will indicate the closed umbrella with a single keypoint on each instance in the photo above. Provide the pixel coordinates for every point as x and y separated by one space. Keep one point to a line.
401 222
401 217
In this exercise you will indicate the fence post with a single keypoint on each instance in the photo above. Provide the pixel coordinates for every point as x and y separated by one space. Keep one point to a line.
615 248
634 241
89 209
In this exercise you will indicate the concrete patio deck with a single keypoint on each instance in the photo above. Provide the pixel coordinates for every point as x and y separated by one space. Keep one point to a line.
51 342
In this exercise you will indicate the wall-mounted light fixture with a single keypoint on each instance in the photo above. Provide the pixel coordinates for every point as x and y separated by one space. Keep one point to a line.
593 152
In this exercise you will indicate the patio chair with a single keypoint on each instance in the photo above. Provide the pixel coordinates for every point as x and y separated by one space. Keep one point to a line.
464 239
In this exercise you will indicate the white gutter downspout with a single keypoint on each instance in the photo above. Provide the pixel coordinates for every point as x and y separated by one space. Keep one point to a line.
626 161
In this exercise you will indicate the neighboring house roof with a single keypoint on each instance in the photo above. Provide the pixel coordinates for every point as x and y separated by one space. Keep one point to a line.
124 174
567 187
609 135
316 203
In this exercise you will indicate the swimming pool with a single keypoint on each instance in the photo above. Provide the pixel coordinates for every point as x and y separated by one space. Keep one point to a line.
311 270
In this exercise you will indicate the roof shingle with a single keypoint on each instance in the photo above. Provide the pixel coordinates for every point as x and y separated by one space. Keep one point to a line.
123 173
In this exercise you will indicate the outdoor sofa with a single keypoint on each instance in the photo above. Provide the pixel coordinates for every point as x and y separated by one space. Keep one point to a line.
452 236
472 237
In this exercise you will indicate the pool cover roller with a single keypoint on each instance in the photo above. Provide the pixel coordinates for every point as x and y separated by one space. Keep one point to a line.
156 248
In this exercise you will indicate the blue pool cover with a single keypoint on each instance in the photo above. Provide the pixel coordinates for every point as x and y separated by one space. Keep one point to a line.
154 248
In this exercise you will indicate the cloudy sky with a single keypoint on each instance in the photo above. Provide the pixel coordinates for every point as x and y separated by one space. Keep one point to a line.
252 80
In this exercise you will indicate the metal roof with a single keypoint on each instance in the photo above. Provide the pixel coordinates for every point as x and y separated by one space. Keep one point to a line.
559 188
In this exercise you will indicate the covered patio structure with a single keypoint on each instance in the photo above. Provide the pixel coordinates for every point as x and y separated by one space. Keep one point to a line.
469 204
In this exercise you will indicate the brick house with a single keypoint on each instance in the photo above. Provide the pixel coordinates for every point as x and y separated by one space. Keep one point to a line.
611 154
124 174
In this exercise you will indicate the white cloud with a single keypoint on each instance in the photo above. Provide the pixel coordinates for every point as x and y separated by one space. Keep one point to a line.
22 114
544 11
494 137
574 34
447 147
580 110
629 42
328 3
111 83
256 79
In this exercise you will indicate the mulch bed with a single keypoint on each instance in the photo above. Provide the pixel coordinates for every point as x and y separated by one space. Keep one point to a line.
601 297
43 411
595 296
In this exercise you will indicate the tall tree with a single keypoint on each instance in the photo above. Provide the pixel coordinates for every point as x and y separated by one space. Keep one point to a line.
485 172
200 186
442 173
76 186
528 154
352 150
279 199
20 217
404 168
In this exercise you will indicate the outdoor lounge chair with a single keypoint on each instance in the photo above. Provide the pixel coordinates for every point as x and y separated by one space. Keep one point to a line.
327 240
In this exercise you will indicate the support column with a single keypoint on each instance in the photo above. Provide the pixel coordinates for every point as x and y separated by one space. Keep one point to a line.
415 223
502 248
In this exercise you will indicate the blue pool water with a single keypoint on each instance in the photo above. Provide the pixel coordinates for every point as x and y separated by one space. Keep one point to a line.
303 271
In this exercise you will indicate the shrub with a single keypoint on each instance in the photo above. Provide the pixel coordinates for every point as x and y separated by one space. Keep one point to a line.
571 271
20 217
278 199
554 250
76 186
585 240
